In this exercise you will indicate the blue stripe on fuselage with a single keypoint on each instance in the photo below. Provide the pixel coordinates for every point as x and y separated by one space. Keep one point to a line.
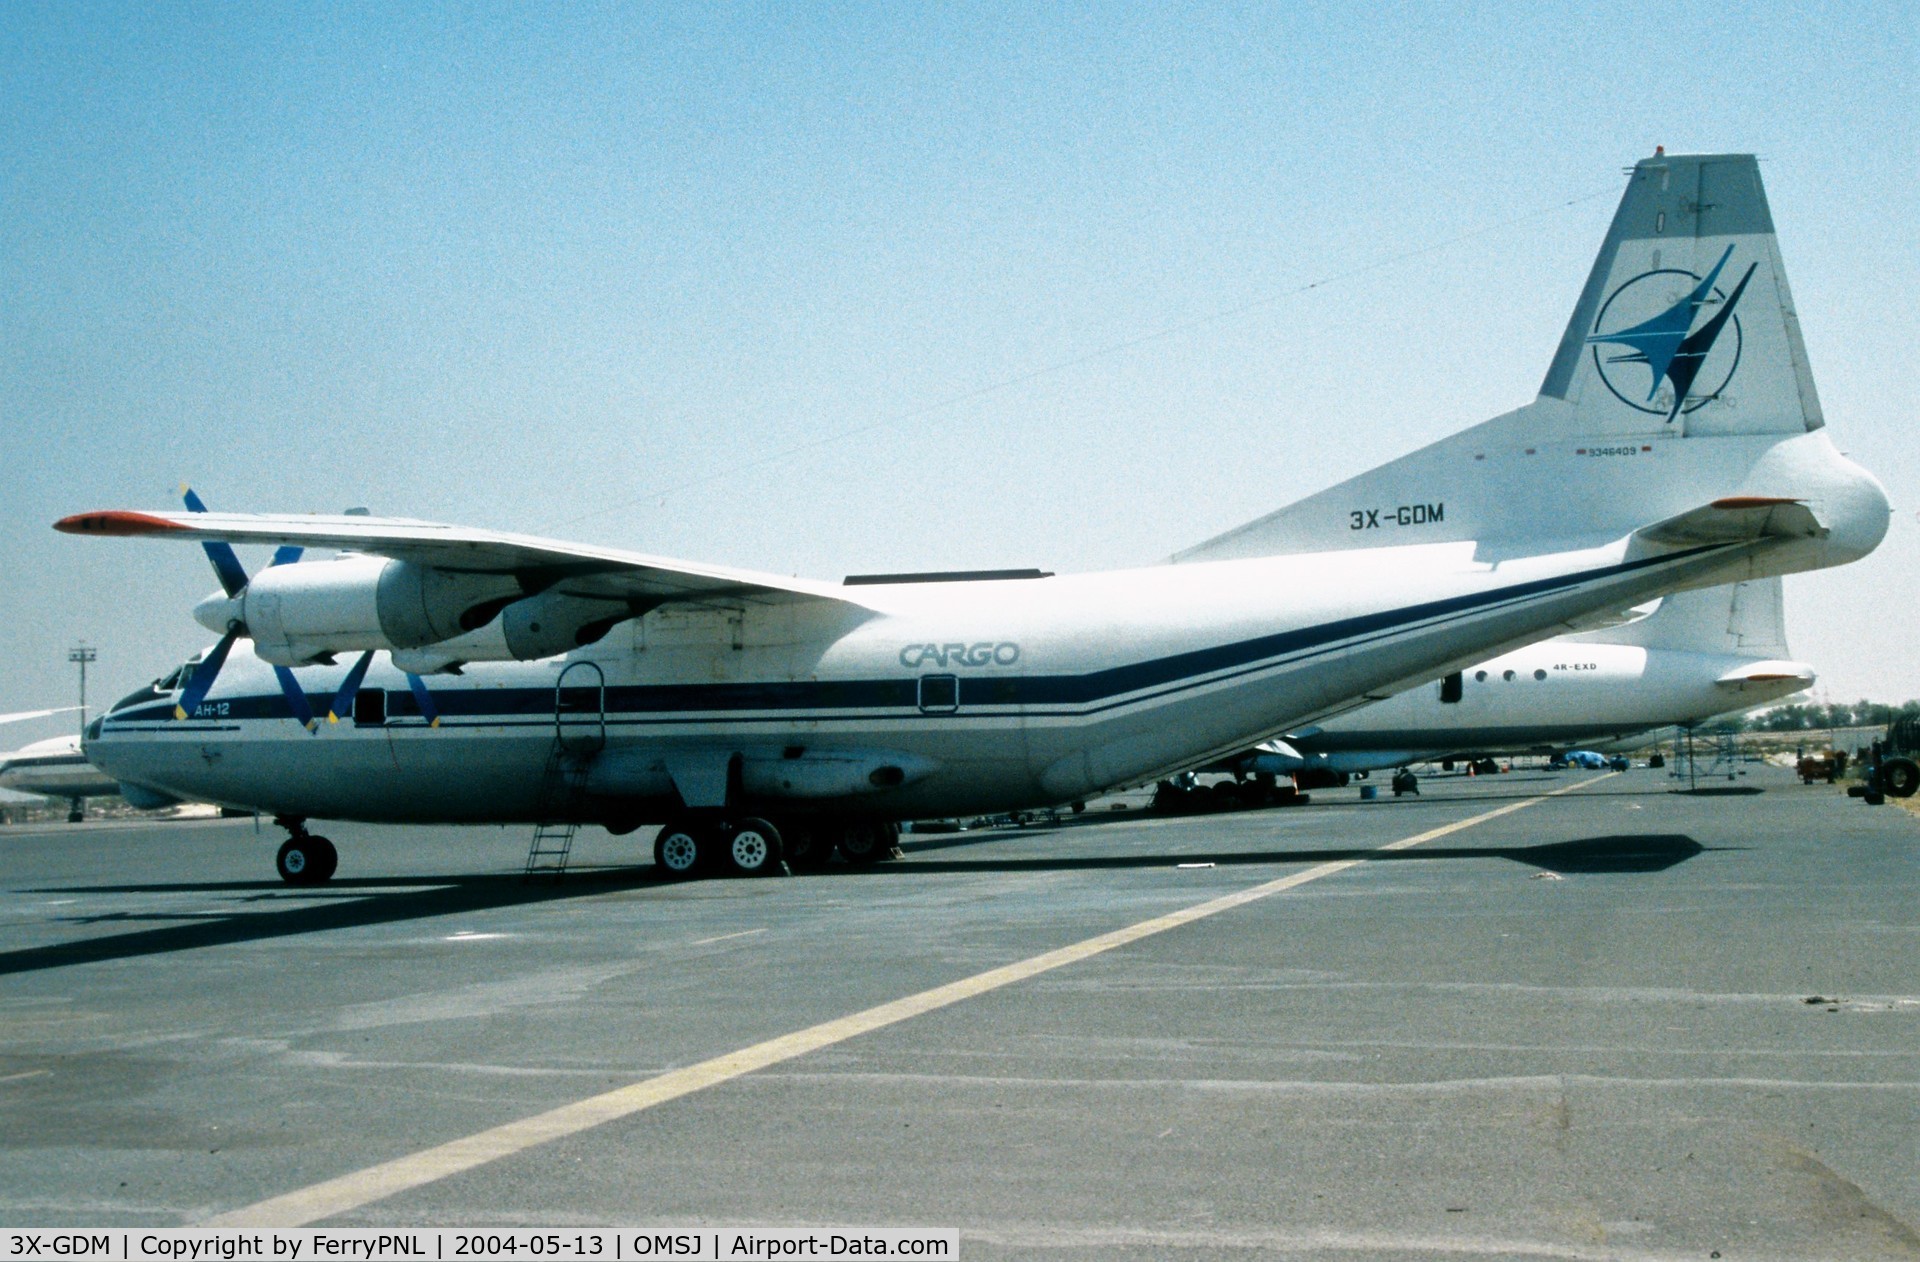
1075 694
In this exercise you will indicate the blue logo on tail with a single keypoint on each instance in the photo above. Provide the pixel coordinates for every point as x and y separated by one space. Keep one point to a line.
1669 345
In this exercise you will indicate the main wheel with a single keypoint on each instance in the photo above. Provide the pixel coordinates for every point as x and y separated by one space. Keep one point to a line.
807 845
680 848
1900 776
864 843
753 849
306 860
1170 799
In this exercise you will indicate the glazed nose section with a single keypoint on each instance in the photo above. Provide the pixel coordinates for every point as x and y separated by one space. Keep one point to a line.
219 612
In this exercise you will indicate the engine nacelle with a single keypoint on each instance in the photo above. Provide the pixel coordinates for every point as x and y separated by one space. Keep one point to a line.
301 613
539 626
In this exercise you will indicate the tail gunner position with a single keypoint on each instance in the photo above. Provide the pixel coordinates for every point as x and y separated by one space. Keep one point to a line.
442 673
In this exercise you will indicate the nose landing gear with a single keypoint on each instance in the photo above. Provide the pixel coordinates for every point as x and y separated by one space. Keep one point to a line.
304 859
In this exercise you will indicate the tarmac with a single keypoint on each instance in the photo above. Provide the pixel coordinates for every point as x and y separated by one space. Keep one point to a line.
1621 1021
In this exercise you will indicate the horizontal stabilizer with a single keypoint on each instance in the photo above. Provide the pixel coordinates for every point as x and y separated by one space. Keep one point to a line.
1736 519
1766 674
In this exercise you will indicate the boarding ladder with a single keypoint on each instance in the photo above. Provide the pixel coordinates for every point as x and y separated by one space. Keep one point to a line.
579 733
561 785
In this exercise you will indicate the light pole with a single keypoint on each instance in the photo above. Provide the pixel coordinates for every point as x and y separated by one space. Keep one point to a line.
80 654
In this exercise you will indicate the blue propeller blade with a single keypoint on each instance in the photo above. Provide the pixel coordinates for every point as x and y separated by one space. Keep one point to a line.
343 700
203 676
226 564
424 699
233 579
296 699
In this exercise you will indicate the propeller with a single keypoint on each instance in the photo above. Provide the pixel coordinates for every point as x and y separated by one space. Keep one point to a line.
233 580
349 688
423 699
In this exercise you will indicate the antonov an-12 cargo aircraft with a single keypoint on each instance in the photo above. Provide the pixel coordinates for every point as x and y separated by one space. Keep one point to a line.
1696 655
469 675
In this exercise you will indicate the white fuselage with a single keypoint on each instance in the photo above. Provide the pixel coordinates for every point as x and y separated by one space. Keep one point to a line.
1060 687
1546 697
54 768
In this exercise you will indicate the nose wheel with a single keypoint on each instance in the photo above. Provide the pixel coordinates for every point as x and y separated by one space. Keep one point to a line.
304 859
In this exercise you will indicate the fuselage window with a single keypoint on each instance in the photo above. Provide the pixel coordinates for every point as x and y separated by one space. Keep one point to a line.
939 694
1479 676
1539 674
1507 675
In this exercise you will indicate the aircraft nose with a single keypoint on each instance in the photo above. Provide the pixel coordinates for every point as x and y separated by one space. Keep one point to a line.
218 612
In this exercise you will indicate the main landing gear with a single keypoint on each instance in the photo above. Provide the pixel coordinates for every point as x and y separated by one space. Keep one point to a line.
741 847
752 846
304 859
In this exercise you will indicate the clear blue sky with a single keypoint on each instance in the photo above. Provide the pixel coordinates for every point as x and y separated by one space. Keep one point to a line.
576 269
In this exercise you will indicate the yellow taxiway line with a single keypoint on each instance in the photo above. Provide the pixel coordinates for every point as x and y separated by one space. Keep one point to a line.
388 1178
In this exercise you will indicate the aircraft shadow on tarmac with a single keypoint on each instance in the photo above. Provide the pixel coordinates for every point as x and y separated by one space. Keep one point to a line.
278 912
1620 854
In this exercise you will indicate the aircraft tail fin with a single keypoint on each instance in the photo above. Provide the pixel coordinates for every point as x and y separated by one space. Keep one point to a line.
1744 619
1681 379
1687 298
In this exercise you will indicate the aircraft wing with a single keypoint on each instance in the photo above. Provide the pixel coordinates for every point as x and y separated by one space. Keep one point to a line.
21 715
544 564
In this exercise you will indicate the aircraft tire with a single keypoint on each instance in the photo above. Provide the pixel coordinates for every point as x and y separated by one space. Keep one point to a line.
681 849
1170 799
306 860
1900 777
864 843
751 847
807 845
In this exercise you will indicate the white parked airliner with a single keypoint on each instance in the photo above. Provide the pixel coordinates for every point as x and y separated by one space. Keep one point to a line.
1676 442
56 768
1697 655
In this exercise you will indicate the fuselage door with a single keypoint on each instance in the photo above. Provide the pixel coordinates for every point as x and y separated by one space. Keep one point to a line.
579 708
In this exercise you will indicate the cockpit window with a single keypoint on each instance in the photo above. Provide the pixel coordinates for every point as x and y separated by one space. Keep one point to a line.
170 682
